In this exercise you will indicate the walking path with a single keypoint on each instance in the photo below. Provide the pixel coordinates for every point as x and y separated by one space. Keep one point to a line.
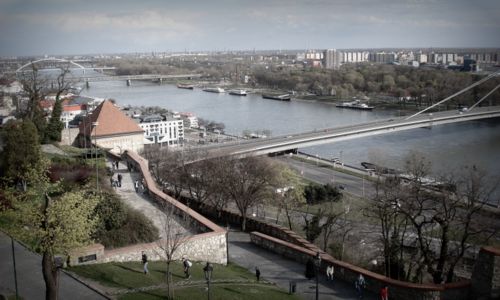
29 275
140 201
274 268
282 271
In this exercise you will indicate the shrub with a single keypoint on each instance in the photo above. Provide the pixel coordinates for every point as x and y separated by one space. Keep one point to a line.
121 225
315 193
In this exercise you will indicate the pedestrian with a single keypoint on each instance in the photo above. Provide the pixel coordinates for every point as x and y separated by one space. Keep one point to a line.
257 273
117 164
119 180
360 285
113 164
384 293
187 265
329 272
145 262
111 180
136 186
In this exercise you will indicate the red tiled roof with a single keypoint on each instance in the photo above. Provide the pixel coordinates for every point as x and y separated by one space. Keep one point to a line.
72 107
111 121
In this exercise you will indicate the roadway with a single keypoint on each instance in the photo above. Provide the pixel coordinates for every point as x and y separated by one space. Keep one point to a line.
315 170
328 135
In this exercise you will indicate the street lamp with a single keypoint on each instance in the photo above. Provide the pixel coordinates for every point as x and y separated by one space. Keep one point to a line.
208 276
95 124
317 264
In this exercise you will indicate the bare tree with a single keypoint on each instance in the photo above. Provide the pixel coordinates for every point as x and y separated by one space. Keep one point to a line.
289 191
173 236
248 183
442 217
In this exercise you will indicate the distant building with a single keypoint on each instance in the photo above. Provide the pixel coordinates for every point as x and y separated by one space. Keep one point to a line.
422 58
190 120
383 57
470 65
110 128
332 59
162 130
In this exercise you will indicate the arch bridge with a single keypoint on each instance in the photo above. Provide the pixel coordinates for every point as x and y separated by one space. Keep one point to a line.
50 59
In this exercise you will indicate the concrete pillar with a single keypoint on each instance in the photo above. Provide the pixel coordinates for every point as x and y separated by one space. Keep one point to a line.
129 82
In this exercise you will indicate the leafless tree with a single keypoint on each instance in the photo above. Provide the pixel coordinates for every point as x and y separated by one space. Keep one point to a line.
248 183
173 236
441 216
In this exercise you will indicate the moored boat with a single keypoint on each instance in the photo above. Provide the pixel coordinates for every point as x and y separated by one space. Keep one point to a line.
214 90
185 86
281 97
238 92
355 105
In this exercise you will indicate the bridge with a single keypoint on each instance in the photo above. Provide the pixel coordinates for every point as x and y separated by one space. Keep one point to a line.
129 78
329 135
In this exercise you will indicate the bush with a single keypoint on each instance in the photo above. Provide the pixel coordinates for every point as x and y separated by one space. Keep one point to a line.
121 225
315 193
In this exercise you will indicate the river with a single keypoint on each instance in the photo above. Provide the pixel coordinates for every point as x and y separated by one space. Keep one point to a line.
448 147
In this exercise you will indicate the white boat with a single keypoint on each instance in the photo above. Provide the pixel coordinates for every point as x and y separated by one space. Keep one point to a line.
356 104
238 92
214 90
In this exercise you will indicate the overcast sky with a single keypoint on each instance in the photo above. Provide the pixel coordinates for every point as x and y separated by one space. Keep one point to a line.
36 27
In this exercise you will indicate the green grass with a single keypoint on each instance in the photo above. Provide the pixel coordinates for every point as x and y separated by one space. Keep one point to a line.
130 275
217 292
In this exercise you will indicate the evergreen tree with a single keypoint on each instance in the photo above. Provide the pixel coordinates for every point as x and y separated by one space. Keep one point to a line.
55 126
22 154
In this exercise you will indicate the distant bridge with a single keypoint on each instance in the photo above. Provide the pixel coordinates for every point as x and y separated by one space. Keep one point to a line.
331 135
129 78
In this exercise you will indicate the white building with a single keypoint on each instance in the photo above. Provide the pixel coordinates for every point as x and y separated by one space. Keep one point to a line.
190 120
157 130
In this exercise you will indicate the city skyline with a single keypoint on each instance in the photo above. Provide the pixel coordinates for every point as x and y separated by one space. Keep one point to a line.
52 27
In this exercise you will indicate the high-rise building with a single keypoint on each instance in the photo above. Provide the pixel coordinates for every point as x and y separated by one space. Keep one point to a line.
332 59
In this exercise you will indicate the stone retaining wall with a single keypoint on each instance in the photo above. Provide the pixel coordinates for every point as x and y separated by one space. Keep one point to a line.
209 245
347 272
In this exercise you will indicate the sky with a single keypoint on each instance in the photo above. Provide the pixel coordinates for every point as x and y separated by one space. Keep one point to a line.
52 27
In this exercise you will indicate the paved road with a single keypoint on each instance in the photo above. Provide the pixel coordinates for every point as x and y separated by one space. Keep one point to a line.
281 271
309 170
29 275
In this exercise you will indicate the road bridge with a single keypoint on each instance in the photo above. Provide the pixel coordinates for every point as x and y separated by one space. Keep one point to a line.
330 135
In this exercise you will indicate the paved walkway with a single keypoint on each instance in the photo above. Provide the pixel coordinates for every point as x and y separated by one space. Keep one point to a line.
281 271
140 201
29 275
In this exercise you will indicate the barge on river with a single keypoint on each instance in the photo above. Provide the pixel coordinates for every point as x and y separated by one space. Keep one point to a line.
355 105
280 97
238 92
214 90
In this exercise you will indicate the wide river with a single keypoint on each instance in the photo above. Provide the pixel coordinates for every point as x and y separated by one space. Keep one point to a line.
447 147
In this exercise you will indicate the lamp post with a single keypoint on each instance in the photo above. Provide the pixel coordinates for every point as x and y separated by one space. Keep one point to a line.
317 264
95 124
208 276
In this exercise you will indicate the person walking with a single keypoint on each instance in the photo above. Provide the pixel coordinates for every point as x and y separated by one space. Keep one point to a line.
145 262
257 273
187 265
117 163
329 272
119 176
384 293
360 285
136 186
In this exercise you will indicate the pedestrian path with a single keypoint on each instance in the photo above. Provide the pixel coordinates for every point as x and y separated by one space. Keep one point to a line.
140 201
282 271
29 275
